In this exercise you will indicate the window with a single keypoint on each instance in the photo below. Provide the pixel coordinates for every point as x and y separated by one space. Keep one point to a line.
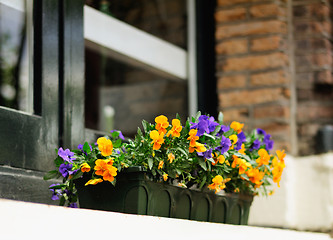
137 63
16 55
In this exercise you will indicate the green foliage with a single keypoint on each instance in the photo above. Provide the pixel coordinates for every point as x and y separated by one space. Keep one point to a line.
210 154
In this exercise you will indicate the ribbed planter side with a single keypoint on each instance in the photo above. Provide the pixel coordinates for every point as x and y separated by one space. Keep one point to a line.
135 193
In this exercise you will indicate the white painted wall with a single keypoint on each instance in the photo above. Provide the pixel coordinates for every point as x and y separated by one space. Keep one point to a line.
305 199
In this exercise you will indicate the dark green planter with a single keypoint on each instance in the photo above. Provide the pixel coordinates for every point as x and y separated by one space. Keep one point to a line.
135 193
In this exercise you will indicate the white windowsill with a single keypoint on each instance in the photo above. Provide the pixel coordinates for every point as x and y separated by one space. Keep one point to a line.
21 220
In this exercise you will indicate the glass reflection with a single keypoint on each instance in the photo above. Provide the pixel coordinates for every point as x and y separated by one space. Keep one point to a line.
14 57
119 96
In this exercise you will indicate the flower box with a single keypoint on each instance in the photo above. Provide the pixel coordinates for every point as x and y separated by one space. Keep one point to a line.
136 193
201 152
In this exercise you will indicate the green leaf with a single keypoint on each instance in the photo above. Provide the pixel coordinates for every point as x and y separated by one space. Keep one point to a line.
140 132
114 182
51 174
203 182
217 129
115 134
145 125
202 163
77 175
62 201
57 186
86 148
197 115
220 118
246 157
58 161
182 151
208 135
117 143
211 160
150 163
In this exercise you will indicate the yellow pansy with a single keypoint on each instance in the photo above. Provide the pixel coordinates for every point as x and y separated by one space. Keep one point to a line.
176 128
105 146
85 167
237 126
94 181
157 139
160 165
264 157
171 157
161 124
165 177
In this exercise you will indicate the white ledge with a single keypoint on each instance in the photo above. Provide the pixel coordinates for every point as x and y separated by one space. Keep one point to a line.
129 44
21 220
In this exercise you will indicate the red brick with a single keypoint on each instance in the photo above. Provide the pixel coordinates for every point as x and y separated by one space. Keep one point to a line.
271 60
311 113
235 81
267 43
271 111
232 47
230 15
250 97
251 28
233 2
267 10
270 78
324 77
315 60
239 115
312 28
315 11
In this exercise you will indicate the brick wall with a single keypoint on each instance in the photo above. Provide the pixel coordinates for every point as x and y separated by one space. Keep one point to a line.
275 69
253 65
312 24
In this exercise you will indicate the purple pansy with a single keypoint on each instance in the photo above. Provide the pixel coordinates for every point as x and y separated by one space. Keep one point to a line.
241 139
225 145
268 142
261 131
65 169
56 193
67 155
223 130
255 145
207 154
73 205
205 124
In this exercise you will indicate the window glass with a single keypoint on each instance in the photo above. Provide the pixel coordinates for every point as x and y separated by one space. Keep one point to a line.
165 19
119 95
14 56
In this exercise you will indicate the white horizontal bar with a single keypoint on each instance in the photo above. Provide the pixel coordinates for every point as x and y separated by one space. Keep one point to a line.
130 42
21 220
16 4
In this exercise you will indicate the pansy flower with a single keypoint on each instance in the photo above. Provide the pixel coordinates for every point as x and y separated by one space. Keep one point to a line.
67 155
161 124
176 128
225 145
157 138
105 146
64 169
